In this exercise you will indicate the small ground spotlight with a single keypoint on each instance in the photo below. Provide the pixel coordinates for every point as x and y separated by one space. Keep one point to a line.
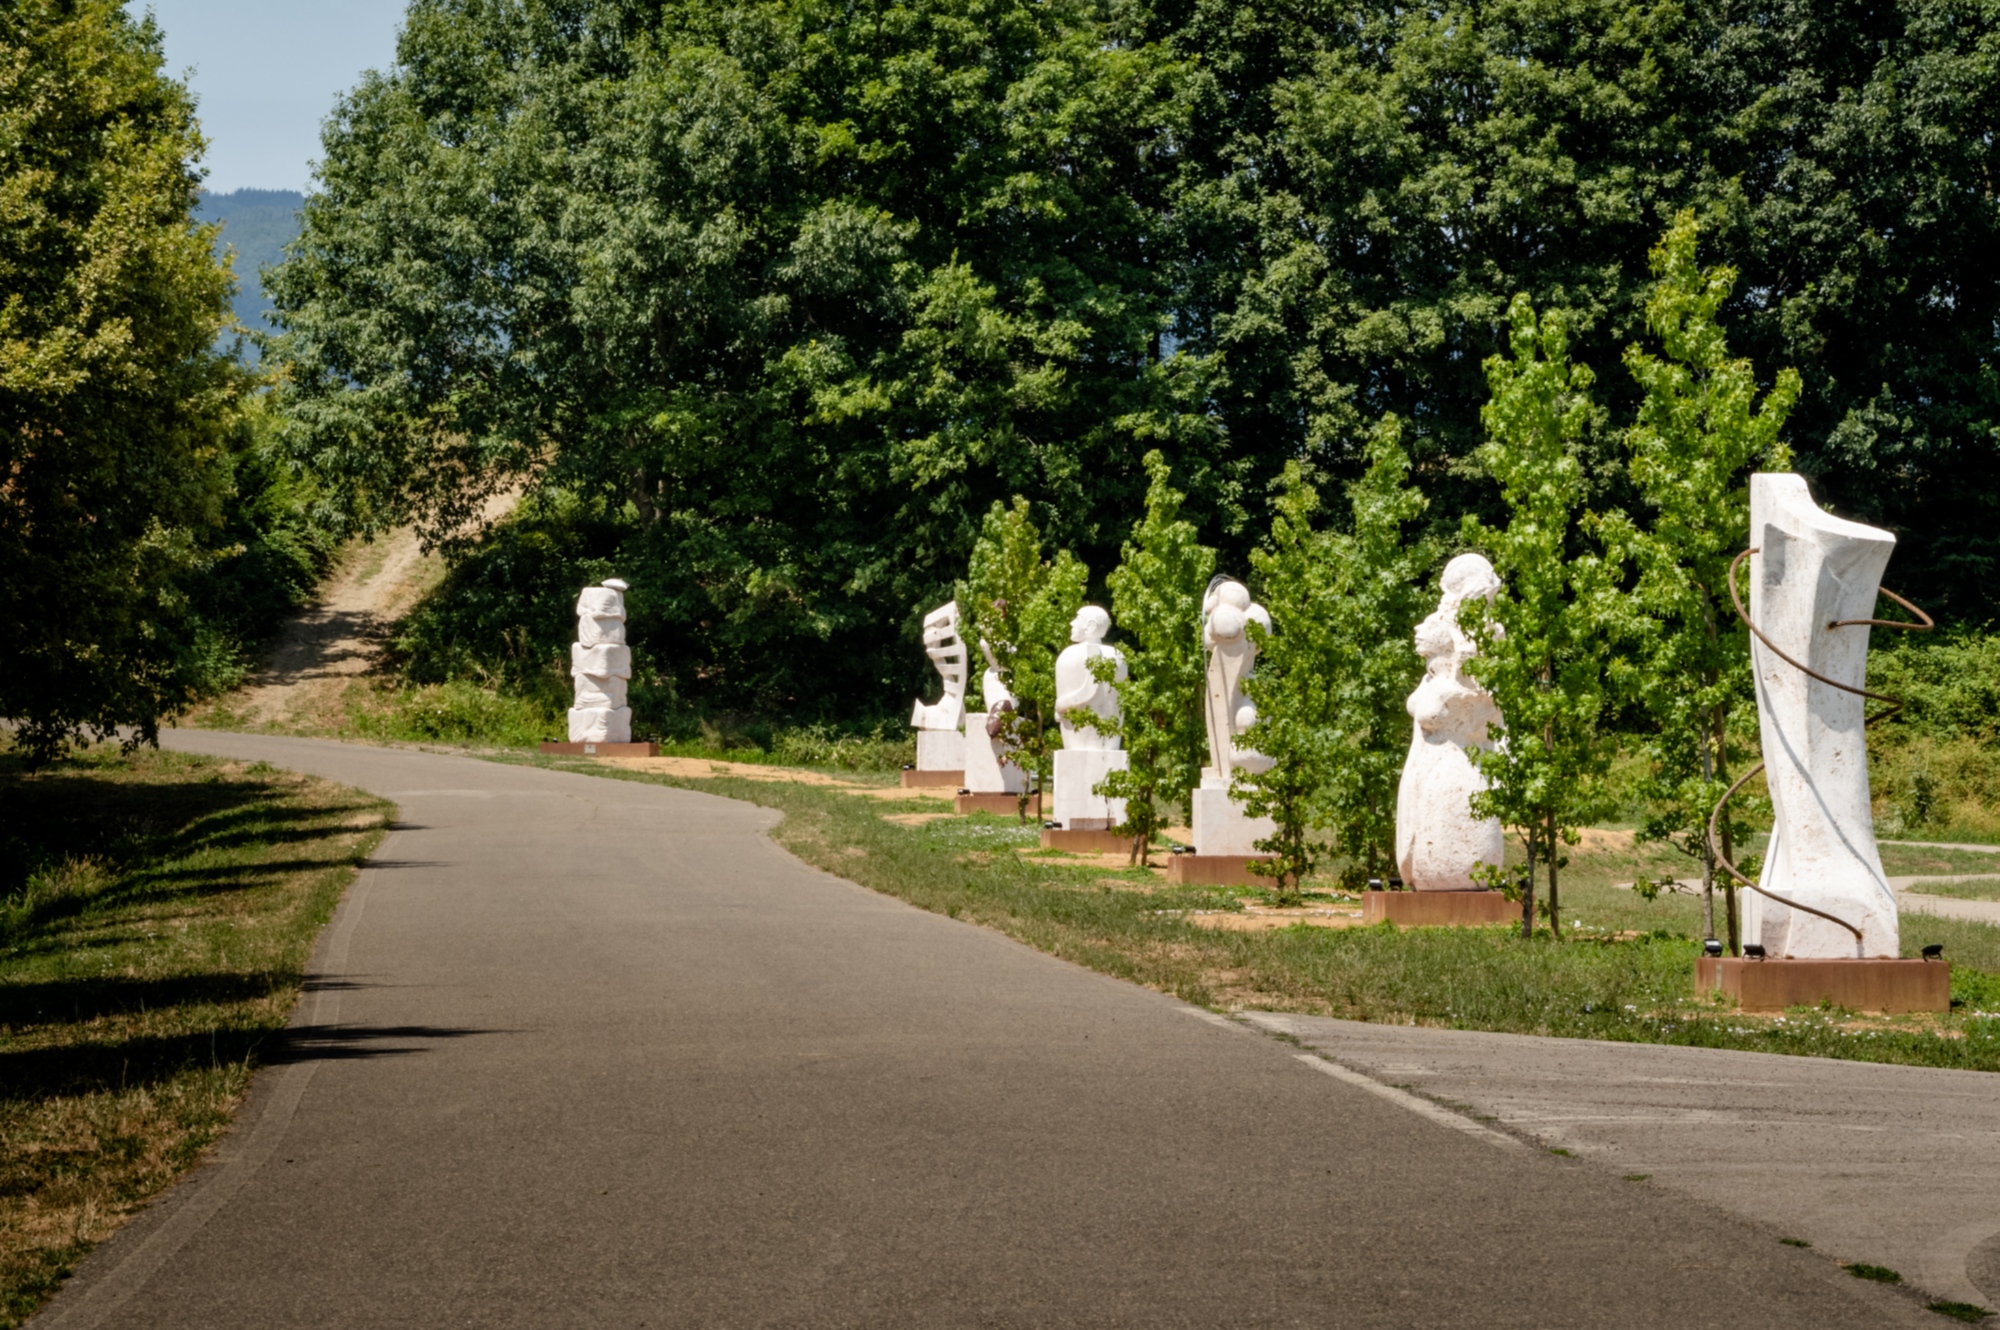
1753 950
1935 951
1713 946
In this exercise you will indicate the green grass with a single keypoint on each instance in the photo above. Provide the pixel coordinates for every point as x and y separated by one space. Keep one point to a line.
1988 890
1881 1274
156 913
1625 974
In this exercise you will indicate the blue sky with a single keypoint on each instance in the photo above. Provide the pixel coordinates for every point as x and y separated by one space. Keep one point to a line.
267 72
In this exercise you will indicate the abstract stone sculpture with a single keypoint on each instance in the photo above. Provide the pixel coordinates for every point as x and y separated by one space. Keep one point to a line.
1439 843
1088 754
987 770
600 666
1810 572
1220 825
940 746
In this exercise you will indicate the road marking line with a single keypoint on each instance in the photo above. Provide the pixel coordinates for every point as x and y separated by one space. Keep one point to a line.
1437 1113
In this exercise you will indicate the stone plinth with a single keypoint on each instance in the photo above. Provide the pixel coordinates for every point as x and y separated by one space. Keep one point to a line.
1077 772
985 771
602 750
1438 909
1085 842
1221 828
1218 870
916 779
1880 984
941 750
1006 805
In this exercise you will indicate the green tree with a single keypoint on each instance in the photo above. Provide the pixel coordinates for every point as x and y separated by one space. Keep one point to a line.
783 296
1333 675
1413 166
115 406
1701 430
1544 654
1156 594
1021 604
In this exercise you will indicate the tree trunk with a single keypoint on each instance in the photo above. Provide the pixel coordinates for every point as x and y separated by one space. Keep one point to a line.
1528 891
1555 900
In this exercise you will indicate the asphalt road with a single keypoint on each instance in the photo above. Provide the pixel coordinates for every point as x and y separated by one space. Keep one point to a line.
584 1052
1894 1166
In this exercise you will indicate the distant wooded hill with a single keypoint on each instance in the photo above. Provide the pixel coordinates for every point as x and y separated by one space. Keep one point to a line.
257 223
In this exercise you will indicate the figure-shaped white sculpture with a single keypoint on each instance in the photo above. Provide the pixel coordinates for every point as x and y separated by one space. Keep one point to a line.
1218 821
600 666
987 770
1811 571
1438 840
940 746
1087 754
1227 611
1077 687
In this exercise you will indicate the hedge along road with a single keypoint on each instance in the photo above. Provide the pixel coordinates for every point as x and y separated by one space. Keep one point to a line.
587 1052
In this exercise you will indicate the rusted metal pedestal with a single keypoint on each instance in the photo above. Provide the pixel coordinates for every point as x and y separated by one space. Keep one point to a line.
1438 909
1006 805
1883 984
914 779
1218 870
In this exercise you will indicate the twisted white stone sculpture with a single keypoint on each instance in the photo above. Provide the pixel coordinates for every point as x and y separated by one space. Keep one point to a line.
1438 840
1088 754
947 652
940 745
1216 816
1812 570
600 666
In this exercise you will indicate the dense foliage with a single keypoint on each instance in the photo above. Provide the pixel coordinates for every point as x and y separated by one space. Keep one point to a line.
115 410
780 298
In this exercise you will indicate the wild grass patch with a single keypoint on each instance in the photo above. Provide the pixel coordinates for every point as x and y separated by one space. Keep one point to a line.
156 913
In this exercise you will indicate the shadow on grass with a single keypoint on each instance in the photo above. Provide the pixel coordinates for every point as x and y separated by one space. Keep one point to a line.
77 1069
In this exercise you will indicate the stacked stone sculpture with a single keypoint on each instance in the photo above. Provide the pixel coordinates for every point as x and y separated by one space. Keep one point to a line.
1439 843
600 666
1220 825
940 745
1088 753
1813 583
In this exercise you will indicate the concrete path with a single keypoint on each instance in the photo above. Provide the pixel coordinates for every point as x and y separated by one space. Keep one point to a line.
1893 1166
1947 907
583 1052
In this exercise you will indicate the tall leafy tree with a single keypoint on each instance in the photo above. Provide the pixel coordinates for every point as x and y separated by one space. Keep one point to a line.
1020 603
1702 427
1333 675
115 405
789 295
1156 594
1378 180
1544 653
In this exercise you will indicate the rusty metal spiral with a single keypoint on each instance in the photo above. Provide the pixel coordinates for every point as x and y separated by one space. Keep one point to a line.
1895 704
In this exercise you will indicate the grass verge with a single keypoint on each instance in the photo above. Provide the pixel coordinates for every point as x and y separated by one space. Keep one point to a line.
1626 972
156 915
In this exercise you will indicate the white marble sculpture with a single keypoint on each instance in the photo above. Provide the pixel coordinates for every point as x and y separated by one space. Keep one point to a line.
1219 824
987 770
1810 571
940 745
1439 843
600 666
1088 754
